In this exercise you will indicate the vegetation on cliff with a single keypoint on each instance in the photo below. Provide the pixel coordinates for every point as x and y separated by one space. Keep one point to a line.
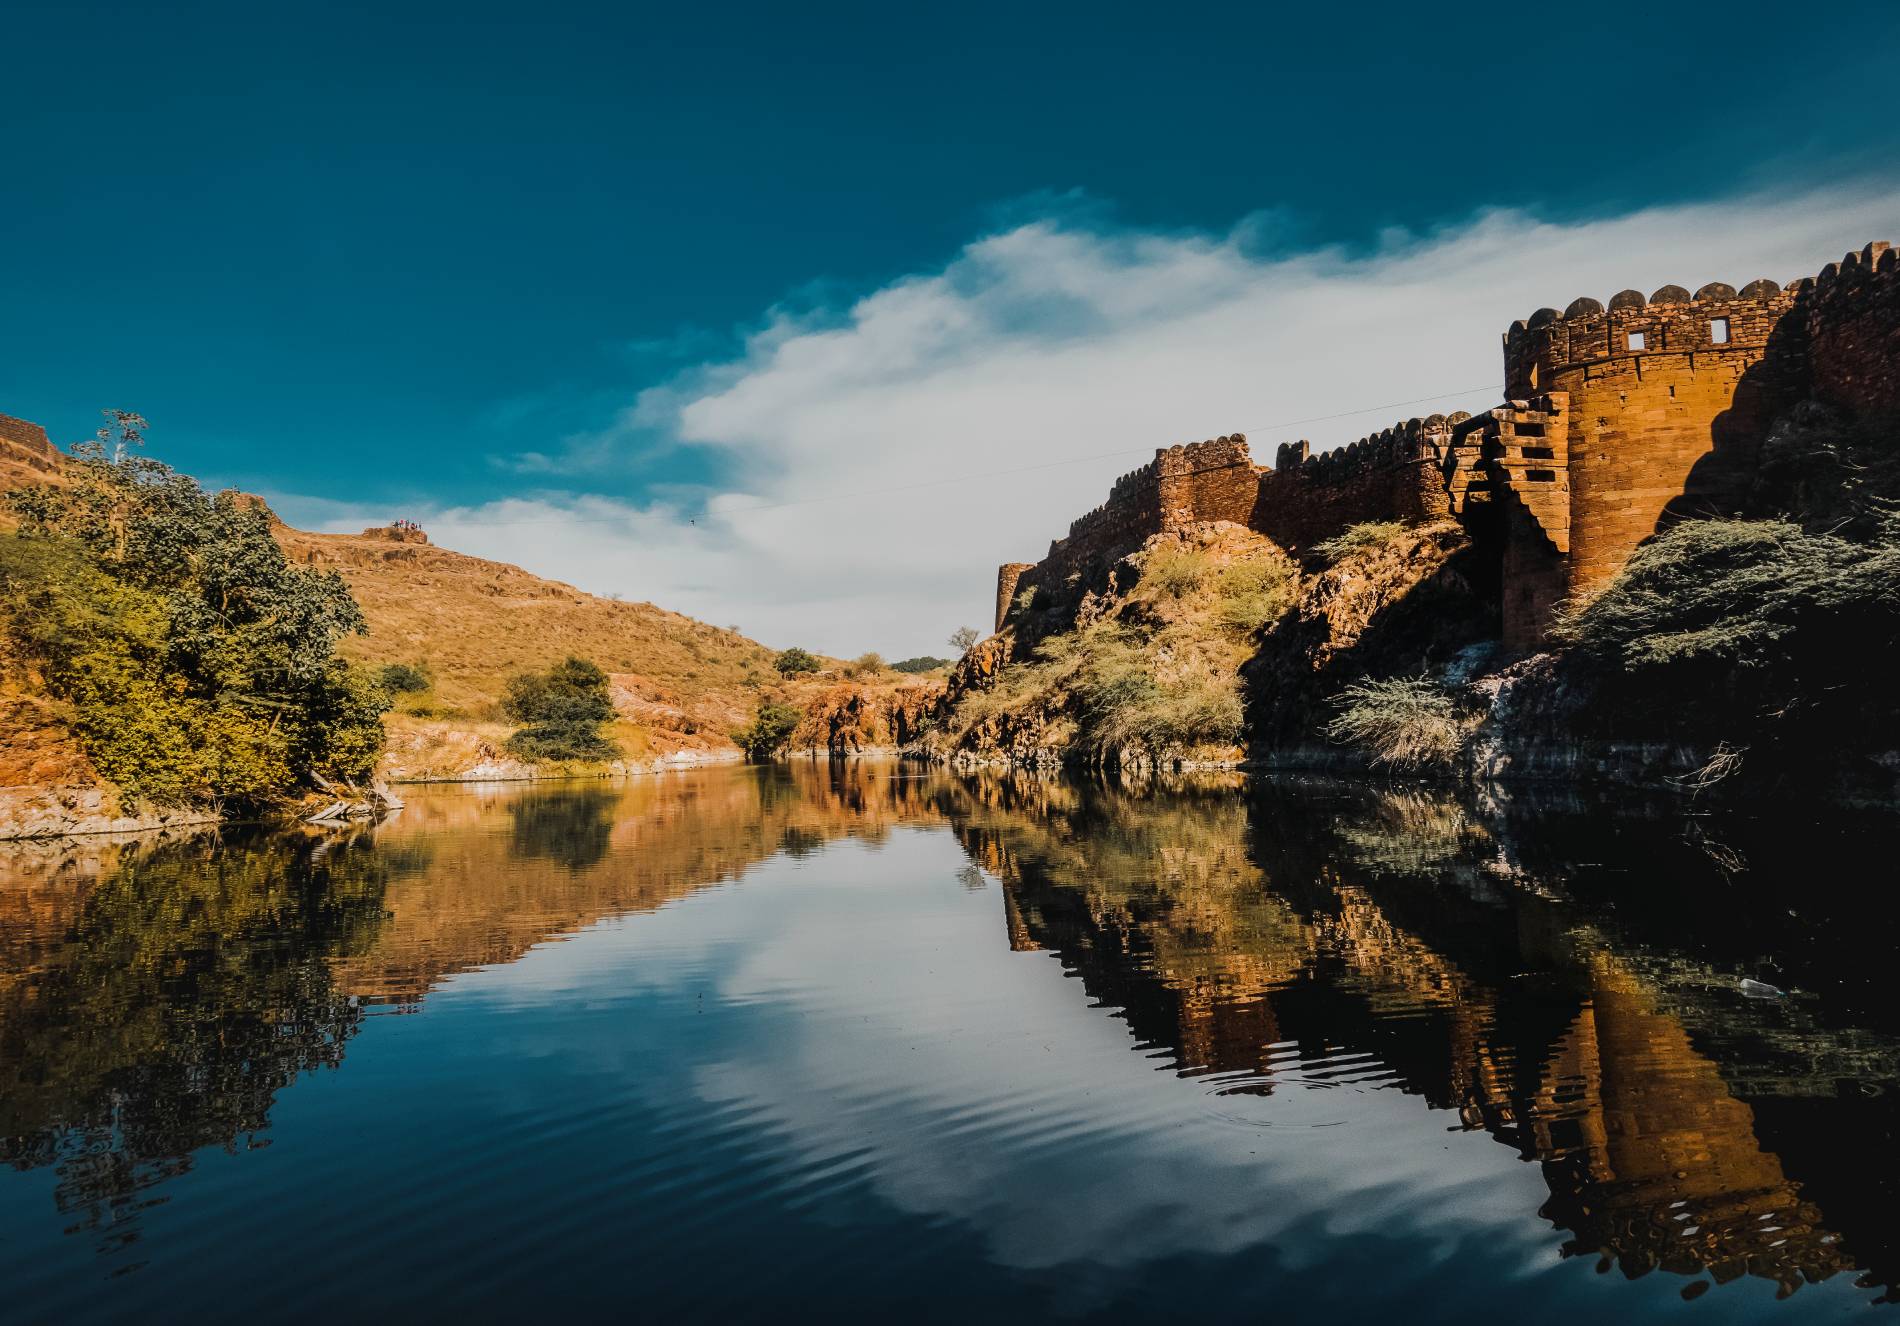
1145 672
200 666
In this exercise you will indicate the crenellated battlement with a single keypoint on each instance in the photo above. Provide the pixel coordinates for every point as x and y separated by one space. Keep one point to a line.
1541 351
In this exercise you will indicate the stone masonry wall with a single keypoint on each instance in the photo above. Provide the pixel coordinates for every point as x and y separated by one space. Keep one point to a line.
1853 333
1391 475
1658 424
1181 486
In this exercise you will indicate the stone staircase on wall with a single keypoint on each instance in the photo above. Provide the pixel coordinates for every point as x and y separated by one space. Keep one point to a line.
1518 452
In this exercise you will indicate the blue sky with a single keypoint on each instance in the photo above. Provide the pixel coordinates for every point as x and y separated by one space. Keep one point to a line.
515 266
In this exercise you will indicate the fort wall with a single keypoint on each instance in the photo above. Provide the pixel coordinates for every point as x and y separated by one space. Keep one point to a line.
1853 333
1657 422
1619 419
1183 485
1390 475
1008 576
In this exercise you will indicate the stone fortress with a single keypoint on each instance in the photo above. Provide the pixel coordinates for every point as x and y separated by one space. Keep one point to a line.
1617 421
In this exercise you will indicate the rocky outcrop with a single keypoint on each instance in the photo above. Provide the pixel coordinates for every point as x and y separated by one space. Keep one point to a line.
66 811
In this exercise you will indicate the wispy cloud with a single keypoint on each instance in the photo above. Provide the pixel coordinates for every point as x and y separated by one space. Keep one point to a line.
1066 336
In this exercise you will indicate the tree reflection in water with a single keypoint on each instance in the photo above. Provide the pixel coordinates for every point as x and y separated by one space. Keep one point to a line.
189 987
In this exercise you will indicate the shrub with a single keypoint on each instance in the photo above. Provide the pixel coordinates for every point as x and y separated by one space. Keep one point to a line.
963 638
768 732
1175 572
200 662
1749 630
403 678
1368 536
1251 594
1403 722
865 665
794 661
922 663
560 711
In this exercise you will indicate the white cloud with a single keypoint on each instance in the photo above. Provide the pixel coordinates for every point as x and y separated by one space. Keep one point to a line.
1062 339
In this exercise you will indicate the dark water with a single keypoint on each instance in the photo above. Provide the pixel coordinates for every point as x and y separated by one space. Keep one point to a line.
858 1042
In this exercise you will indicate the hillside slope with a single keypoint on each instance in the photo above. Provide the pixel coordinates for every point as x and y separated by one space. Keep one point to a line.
680 686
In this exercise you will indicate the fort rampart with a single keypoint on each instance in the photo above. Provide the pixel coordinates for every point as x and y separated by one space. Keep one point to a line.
1619 418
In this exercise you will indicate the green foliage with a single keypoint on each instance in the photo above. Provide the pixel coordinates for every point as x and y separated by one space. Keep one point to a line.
560 712
769 730
794 661
200 663
922 663
1370 536
1104 680
185 989
1403 722
1749 631
403 678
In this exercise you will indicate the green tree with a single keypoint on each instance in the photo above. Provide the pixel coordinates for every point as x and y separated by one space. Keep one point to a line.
770 729
560 712
403 678
201 663
794 661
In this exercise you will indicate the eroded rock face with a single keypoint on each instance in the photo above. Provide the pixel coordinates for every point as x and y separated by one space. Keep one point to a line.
58 812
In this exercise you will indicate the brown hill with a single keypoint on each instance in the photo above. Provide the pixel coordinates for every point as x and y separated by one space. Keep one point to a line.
679 684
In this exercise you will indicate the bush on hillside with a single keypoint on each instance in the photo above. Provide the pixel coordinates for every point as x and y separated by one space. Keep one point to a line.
403 678
768 732
865 665
795 661
1401 722
1748 630
560 712
922 663
201 663
1364 537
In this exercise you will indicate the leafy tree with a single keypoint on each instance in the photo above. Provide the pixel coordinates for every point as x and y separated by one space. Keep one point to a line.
560 712
922 663
201 663
403 678
770 729
866 665
963 637
794 661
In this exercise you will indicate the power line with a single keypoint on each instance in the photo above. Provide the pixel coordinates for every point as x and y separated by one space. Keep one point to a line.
946 480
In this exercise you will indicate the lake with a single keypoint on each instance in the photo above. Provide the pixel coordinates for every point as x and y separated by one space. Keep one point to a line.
864 1040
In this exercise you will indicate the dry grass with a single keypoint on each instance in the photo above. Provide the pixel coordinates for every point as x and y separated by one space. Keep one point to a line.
474 623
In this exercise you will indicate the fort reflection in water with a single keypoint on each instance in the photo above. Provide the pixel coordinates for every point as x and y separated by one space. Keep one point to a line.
1564 977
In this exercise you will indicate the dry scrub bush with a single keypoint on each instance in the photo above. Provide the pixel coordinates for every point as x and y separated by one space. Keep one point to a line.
1372 535
1400 722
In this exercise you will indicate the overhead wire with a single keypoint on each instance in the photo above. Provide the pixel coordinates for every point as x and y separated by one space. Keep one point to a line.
975 475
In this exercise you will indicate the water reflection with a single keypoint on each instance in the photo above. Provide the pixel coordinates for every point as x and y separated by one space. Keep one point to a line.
1563 977
159 1006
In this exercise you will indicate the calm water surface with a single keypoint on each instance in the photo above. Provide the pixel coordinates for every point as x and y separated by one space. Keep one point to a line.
860 1041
